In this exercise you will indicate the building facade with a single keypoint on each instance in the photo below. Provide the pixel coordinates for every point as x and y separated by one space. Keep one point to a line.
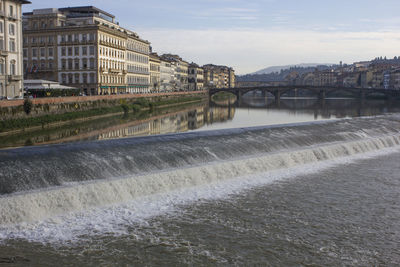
196 77
167 76
11 53
218 76
85 47
155 63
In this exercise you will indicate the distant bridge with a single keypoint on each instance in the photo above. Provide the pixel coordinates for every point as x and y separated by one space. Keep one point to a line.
320 91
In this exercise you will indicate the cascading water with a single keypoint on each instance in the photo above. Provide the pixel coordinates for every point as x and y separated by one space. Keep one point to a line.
41 182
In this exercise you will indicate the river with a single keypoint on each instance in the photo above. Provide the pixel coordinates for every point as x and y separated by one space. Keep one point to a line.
295 183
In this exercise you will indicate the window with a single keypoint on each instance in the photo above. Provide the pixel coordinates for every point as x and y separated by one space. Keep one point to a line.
11 28
91 78
70 78
91 50
1 27
51 39
63 51
76 37
92 63
84 63
51 52
69 51
84 76
25 52
1 43
34 40
50 64
42 65
76 50
70 63
91 37
64 78
84 50
69 38
13 67
63 64
62 38
42 52
77 63
11 13
84 37
1 66
42 39
12 45
76 77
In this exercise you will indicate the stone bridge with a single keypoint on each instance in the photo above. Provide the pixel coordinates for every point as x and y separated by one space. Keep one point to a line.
320 91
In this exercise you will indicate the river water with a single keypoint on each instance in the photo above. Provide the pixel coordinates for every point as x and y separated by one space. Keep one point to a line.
298 183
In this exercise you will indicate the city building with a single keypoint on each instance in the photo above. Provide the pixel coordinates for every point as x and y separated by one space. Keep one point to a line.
167 75
85 47
218 76
196 77
155 79
181 71
11 53
137 64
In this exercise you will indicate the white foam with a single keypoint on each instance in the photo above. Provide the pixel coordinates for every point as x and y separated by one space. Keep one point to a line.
113 206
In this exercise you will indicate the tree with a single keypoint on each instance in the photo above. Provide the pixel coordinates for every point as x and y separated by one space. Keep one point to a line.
28 106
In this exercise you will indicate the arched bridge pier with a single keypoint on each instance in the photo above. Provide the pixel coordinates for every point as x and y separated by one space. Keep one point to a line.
321 92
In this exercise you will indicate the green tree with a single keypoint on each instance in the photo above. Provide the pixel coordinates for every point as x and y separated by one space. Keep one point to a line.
28 106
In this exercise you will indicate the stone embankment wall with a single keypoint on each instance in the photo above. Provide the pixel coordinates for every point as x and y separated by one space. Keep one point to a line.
12 109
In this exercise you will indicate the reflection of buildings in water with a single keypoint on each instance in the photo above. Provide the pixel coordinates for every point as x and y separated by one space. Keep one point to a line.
169 124
219 114
181 122
196 118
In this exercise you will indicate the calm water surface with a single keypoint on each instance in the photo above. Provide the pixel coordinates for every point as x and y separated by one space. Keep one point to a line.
253 111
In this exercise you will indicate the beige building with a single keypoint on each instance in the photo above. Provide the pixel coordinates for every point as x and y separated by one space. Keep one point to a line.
196 77
181 69
85 47
155 63
218 76
11 53
137 64
167 75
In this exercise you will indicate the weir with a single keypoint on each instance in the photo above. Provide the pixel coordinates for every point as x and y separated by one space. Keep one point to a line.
41 182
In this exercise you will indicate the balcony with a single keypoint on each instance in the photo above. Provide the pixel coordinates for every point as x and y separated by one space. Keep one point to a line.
12 16
14 78
114 71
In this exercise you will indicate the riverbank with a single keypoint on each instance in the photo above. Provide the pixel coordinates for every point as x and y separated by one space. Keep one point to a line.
122 106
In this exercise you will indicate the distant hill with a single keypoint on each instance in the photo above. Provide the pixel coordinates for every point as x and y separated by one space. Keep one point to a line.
279 68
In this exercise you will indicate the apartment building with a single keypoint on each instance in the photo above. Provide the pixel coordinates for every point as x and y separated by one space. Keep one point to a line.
11 64
181 71
155 63
137 63
196 77
167 75
218 76
84 47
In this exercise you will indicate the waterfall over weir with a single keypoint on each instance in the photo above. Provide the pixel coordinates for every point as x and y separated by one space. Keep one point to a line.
41 182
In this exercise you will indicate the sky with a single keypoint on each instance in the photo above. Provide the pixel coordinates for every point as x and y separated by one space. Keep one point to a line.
250 35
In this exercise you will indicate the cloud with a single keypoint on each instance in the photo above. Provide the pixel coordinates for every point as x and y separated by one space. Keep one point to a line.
248 50
224 13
